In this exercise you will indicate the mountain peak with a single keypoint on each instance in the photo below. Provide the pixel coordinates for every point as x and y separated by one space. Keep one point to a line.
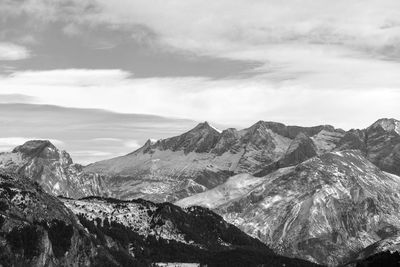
387 124
201 138
34 147
43 149
205 126
267 124
300 149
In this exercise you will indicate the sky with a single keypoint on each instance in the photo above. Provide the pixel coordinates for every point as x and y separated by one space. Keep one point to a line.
88 135
231 62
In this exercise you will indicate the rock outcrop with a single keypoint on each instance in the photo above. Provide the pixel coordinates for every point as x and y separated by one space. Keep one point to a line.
383 144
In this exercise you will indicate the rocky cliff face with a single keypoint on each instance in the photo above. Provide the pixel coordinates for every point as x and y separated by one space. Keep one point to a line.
299 150
380 142
383 144
53 169
324 209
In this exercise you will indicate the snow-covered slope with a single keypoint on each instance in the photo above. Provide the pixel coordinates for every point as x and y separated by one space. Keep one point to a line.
324 209
234 188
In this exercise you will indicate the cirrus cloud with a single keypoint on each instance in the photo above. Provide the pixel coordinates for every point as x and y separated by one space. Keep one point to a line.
9 51
230 102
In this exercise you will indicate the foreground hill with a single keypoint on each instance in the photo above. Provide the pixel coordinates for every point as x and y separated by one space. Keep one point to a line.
37 229
166 233
325 209
387 259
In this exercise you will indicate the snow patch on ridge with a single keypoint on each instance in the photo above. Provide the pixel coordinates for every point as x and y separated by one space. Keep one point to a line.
236 186
397 127
218 130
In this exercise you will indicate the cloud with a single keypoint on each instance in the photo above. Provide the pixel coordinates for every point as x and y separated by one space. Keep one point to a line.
223 27
90 153
84 129
132 144
16 98
317 43
106 139
71 77
229 101
319 60
9 51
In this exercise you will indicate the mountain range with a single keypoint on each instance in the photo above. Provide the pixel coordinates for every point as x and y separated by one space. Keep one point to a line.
319 193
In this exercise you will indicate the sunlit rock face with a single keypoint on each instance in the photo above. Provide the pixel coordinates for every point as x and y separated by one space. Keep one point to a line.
53 169
299 150
353 139
324 209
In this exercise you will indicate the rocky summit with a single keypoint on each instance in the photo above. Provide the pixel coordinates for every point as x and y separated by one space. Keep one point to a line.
52 168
